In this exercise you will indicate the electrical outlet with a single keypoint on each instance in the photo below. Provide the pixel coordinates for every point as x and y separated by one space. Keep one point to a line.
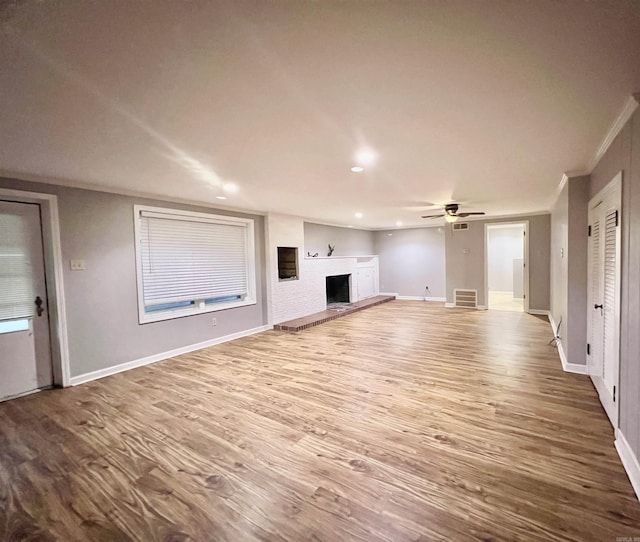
214 322
77 265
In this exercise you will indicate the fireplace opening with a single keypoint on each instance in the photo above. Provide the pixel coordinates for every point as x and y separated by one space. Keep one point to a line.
338 289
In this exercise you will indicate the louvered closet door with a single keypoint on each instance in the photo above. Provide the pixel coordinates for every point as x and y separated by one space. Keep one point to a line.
610 302
595 359
604 295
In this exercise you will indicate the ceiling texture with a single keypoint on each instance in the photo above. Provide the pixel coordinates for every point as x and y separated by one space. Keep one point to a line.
485 103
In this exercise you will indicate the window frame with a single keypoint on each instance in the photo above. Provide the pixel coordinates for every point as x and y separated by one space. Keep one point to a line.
200 306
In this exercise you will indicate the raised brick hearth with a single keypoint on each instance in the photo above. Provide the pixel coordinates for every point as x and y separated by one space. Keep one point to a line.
325 316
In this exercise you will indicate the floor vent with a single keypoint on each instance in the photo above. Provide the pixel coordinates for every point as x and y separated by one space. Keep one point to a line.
460 226
467 299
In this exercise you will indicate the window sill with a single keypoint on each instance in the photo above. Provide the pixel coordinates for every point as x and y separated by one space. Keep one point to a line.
149 318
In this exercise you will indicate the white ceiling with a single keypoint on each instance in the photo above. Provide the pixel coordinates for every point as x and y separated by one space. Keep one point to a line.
482 102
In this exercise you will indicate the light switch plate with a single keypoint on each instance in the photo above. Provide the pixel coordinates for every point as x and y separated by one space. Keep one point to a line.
77 265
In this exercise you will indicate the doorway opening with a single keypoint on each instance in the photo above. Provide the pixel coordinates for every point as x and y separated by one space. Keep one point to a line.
507 281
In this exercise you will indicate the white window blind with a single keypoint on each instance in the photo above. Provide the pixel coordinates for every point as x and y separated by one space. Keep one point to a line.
192 258
16 284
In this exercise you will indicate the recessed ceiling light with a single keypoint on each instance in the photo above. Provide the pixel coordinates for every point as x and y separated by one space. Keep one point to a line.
349 226
221 197
358 215
389 234
365 157
357 169
230 188
398 223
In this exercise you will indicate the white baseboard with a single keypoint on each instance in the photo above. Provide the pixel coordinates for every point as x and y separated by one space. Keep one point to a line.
23 394
570 367
629 461
554 326
449 305
419 298
540 312
389 293
566 366
481 307
95 375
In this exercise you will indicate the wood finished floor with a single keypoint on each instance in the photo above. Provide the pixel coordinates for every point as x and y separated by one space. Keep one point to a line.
406 421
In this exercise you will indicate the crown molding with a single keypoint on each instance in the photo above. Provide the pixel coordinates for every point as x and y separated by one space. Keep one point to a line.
563 181
570 175
616 127
627 111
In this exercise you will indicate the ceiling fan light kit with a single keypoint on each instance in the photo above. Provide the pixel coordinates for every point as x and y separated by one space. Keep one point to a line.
451 213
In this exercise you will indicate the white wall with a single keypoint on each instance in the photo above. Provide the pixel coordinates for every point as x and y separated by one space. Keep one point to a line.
504 245
290 299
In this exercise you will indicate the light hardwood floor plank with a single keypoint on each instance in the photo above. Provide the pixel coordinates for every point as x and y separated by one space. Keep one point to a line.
406 421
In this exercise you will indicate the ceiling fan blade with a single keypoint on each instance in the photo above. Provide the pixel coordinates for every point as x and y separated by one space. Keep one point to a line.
463 215
432 216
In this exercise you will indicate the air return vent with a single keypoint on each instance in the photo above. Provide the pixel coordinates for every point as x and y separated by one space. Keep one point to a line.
467 299
460 226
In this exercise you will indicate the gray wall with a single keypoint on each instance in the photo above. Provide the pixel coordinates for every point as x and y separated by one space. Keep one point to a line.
348 241
101 302
569 271
410 260
559 259
624 154
465 258
575 340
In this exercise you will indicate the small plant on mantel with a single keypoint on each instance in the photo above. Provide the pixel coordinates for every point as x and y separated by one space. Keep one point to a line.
331 249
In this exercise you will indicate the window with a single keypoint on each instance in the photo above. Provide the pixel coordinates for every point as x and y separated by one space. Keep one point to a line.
190 263
16 282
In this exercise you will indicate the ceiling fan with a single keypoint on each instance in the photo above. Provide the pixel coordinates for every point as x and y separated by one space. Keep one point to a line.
451 213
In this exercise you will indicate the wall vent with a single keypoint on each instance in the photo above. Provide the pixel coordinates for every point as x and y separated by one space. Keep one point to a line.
467 299
460 226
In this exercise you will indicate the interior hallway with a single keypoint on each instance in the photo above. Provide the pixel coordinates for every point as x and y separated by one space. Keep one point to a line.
504 301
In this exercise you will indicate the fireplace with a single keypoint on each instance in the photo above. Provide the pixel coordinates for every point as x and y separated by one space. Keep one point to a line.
338 289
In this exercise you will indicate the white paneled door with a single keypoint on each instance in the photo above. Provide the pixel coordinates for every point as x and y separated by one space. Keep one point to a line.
603 349
25 350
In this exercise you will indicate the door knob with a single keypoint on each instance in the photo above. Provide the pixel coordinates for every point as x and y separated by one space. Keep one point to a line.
597 307
39 309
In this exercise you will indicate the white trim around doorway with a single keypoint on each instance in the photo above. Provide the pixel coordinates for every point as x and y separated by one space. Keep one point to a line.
487 225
